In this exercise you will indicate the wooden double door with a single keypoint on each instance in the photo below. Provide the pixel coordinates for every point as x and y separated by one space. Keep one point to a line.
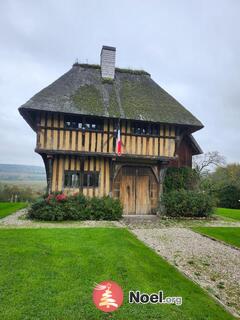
136 190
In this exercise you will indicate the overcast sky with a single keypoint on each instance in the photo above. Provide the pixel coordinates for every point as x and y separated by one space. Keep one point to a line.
191 48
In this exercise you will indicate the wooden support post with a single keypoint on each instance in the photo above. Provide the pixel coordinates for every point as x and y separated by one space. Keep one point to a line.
162 174
49 173
112 171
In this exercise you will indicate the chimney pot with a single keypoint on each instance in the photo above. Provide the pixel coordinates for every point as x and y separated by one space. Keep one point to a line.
108 58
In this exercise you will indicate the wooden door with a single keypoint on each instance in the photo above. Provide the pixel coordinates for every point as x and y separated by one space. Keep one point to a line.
128 194
143 203
137 189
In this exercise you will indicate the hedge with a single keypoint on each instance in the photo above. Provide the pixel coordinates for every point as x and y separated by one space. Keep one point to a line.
60 207
187 203
181 178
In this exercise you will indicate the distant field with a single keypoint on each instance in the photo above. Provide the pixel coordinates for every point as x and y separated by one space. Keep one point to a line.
228 213
7 208
229 235
36 185
22 176
15 172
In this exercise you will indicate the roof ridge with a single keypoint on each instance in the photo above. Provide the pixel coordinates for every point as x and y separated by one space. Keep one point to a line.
117 69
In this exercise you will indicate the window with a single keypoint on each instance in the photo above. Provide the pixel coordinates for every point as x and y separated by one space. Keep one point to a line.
74 179
139 128
71 122
71 179
91 179
93 124
77 122
154 129
144 128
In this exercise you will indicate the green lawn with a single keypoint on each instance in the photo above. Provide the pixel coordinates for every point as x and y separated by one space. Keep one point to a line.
7 208
228 213
229 235
50 273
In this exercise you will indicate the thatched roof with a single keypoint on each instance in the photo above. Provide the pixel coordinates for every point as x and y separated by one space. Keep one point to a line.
131 95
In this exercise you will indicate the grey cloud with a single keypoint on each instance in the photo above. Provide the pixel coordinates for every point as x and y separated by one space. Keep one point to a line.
191 48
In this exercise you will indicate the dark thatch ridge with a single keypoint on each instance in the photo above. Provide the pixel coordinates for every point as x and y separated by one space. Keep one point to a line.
132 95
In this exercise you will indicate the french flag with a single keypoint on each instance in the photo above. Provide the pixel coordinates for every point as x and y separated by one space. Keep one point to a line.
119 143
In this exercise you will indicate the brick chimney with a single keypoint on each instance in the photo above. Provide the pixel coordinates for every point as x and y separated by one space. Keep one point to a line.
108 58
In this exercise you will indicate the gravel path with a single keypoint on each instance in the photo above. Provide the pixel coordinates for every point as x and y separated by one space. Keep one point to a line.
213 265
17 220
179 223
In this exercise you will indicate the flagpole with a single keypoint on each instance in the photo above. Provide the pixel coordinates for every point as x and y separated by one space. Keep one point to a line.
119 143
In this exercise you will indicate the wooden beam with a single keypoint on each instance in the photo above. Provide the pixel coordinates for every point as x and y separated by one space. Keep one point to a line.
50 172
103 154
162 174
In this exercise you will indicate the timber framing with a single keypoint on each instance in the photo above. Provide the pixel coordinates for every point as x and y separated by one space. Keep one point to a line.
80 119
53 135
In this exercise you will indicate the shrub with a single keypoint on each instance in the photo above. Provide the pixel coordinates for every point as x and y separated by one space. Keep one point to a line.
187 203
180 178
229 197
59 207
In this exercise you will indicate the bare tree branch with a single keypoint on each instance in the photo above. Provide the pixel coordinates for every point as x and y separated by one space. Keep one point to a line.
205 162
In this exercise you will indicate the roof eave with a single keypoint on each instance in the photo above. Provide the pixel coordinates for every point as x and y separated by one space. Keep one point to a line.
198 149
25 111
26 114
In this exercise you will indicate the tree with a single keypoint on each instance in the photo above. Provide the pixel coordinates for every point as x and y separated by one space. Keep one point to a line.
14 193
224 184
204 163
228 175
229 197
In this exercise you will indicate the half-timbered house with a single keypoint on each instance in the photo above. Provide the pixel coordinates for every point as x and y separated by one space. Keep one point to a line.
103 130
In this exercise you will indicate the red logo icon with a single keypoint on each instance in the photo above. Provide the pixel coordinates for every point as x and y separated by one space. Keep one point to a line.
107 296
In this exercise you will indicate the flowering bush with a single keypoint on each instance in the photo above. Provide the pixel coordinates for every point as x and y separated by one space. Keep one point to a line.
61 197
49 197
58 207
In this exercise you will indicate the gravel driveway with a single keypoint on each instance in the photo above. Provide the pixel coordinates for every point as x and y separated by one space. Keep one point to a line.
18 220
213 265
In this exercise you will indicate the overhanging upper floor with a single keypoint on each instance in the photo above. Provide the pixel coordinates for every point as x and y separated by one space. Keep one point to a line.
55 134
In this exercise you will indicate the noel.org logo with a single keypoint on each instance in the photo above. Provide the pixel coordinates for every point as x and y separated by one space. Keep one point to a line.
108 296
